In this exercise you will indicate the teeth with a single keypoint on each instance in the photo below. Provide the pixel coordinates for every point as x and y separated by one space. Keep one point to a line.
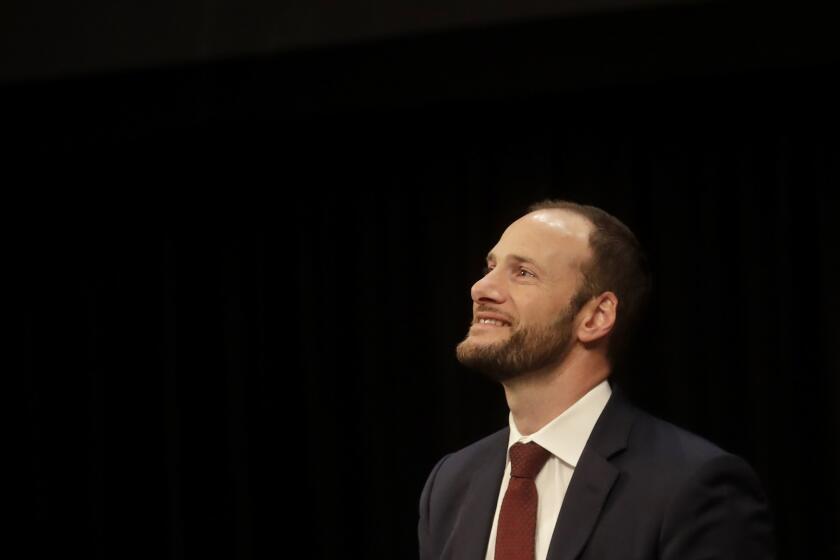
491 322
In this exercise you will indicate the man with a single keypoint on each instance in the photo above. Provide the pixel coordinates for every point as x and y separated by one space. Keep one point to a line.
579 473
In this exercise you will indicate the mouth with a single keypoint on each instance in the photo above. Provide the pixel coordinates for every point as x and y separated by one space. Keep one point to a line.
490 324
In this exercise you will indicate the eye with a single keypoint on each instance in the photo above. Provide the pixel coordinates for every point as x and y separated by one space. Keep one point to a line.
527 272
486 270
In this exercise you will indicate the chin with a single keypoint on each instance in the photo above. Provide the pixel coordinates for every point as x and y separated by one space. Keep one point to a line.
479 341
470 347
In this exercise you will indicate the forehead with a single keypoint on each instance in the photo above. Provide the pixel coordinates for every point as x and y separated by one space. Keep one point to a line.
554 239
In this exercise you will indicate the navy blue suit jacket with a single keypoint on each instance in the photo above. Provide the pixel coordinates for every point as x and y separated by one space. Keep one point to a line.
643 489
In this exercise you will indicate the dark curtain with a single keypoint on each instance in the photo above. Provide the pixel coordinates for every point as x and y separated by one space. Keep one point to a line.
243 342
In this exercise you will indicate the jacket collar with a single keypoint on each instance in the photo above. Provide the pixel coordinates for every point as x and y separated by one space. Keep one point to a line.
588 489
593 478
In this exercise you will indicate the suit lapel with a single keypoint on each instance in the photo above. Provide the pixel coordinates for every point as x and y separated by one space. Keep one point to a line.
593 478
475 518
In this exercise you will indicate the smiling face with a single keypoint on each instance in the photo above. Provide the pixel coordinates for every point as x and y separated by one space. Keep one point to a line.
523 318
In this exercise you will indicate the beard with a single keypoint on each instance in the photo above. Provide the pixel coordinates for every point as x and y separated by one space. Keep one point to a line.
527 349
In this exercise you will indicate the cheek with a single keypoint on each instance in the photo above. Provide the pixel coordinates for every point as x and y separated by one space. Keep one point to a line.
539 311
534 313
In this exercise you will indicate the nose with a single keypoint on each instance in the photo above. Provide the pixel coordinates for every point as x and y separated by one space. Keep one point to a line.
488 289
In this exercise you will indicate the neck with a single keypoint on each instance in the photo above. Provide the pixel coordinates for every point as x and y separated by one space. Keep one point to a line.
537 398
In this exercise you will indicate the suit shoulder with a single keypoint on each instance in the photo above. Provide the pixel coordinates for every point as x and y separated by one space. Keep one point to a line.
478 451
672 446
664 463
455 471
668 438
459 466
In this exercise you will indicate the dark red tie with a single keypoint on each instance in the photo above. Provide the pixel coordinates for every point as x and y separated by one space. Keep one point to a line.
517 526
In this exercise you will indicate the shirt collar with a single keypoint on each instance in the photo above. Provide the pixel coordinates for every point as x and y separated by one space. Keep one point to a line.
566 435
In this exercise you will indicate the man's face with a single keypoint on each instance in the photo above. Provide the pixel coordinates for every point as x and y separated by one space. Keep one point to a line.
522 318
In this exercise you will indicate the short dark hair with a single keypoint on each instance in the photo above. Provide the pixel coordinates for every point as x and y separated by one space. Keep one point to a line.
618 264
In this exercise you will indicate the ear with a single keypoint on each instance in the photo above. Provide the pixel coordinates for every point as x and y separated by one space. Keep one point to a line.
598 317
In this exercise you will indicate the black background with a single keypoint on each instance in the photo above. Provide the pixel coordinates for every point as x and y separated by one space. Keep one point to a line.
242 279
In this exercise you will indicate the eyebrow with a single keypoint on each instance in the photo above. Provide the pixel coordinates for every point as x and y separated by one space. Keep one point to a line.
517 258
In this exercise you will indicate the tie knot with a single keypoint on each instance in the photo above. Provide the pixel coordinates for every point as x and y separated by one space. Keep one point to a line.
527 459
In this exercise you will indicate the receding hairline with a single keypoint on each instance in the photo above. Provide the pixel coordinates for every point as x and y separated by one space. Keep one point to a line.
591 227
579 261
574 261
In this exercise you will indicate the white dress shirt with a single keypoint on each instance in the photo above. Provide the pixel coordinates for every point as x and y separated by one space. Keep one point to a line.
564 437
